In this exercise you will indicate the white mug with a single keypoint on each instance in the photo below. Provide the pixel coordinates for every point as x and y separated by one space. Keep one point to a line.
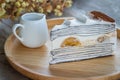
33 30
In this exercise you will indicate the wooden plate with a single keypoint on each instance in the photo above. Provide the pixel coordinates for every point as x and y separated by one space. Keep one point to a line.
34 63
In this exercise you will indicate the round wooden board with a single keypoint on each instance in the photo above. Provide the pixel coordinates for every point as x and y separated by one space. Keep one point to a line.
34 63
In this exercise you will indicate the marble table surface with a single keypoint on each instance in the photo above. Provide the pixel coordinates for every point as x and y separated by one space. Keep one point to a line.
110 7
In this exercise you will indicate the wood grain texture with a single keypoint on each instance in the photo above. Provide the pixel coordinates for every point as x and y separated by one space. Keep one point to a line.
34 63
118 33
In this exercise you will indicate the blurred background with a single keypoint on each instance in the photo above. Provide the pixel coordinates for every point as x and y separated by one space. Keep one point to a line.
109 7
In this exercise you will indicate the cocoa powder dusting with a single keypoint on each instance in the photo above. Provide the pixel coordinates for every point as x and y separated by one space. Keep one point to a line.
102 16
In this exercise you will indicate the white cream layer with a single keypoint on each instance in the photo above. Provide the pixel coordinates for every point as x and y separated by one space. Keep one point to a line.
89 40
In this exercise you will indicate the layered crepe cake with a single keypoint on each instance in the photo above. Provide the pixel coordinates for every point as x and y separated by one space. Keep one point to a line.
87 37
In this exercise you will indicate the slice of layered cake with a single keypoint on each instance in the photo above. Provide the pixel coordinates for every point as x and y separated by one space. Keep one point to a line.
74 40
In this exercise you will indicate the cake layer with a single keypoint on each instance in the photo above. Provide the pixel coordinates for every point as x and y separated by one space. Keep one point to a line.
74 40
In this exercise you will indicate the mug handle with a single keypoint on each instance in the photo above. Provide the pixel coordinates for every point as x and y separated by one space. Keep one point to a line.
14 30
